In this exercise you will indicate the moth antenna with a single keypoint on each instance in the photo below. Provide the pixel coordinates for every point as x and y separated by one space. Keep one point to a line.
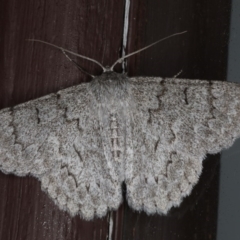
65 50
142 49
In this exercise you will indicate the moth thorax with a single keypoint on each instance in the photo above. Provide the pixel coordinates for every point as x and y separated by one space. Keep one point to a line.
110 86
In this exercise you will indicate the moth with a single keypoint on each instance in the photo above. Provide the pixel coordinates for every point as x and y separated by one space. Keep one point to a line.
151 133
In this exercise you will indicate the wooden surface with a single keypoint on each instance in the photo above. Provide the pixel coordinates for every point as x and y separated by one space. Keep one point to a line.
94 28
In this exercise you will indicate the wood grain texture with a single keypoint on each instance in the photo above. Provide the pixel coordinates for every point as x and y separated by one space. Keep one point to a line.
94 28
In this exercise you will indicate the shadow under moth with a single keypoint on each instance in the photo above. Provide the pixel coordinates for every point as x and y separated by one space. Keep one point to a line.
151 133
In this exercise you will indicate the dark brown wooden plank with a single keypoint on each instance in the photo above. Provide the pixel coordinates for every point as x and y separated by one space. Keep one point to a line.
30 70
200 54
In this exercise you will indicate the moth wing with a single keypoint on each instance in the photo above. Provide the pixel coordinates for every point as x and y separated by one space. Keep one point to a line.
176 122
57 139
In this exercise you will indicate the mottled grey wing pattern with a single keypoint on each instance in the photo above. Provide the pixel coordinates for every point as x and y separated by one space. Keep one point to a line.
58 139
176 123
152 133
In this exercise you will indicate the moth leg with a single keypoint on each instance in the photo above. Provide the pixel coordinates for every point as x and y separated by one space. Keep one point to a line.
77 65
